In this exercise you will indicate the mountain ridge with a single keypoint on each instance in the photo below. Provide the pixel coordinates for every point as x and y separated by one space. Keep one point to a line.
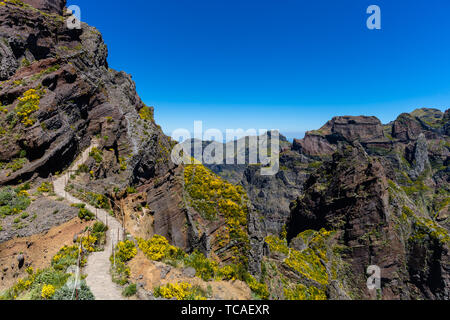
351 194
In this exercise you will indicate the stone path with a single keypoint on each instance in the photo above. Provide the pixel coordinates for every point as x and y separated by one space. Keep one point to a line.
98 264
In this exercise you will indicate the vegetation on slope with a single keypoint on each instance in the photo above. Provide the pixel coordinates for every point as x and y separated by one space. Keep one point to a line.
158 248
53 282
216 198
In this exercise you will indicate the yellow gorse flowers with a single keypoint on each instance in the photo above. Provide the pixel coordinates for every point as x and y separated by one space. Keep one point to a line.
180 291
126 250
66 251
307 262
146 113
28 104
301 292
47 291
157 248
212 196
89 243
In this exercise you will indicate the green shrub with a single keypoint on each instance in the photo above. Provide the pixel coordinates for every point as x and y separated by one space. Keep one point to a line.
314 165
96 154
131 190
45 187
260 289
26 186
25 62
97 200
205 268
129 290
99 232
120 272
66 293
82 168
5 211
66 257
13 201
51 277
99 227
85 214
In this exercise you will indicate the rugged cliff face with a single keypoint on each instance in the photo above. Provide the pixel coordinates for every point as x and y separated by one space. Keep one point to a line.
383 190
58 96
387 197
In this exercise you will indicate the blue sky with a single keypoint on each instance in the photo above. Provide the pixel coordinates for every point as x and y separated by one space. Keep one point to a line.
286 64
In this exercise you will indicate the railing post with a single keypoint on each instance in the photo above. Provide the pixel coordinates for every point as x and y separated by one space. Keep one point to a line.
65 185
114 254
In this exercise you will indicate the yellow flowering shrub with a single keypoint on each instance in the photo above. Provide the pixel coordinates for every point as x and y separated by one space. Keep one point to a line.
45 187
125 250
23 193
89 242
43 284
13 2
123 163
47 291
66 256
277 244
120 272
180 291
307 262
423 228
97 154
259 288
227 273
29 270
205 268
146 113
169 291
13 201
301 292
28 104
212 196
158 248
316 240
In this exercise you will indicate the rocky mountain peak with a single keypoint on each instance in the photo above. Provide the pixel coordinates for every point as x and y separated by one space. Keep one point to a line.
349 128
